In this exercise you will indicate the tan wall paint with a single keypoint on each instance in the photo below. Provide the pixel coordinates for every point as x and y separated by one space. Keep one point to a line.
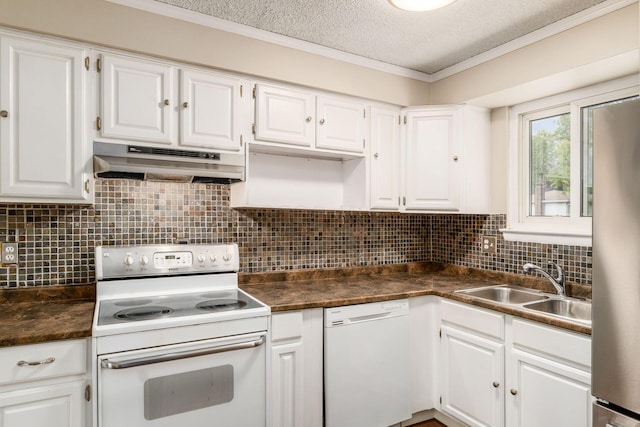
499 159
108 24
611 40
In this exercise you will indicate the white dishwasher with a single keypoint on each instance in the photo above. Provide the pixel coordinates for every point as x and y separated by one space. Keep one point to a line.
366 364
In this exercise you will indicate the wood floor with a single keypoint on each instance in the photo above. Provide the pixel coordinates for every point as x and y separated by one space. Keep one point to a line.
429 423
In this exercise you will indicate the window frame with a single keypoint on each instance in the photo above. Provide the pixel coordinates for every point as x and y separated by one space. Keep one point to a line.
573 229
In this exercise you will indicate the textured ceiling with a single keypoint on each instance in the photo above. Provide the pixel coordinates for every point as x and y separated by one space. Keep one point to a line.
423 41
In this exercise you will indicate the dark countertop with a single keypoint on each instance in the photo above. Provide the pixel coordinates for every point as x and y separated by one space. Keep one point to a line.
335 287
33 315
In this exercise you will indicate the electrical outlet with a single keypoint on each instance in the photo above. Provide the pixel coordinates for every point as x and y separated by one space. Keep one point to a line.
9 253
489 244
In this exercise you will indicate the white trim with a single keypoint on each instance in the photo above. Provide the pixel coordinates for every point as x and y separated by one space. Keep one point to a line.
579 18
536 236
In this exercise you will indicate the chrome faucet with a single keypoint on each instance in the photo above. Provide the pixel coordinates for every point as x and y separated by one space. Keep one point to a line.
557 283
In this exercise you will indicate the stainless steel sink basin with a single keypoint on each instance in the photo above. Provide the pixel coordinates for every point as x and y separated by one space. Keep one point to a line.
506 294
566 308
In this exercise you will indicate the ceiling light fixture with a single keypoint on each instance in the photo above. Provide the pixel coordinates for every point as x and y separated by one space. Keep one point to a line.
420 5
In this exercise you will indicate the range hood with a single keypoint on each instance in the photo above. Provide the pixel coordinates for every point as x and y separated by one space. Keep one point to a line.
165 164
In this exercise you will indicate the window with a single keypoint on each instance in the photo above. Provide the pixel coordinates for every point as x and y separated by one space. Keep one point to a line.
551 164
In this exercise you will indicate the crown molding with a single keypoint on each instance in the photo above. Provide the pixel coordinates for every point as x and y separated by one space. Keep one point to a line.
175 12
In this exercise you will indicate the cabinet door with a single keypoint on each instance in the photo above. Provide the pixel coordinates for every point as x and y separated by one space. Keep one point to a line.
137 100
286 384
385 158
340 124
472 378
42 145
210 111
431 174
285 116
60 405
543 392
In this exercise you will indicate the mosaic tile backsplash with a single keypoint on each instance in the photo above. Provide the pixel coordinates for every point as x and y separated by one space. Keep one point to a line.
56 242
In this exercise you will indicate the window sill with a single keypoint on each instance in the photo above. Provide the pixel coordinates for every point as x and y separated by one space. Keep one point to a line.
539 235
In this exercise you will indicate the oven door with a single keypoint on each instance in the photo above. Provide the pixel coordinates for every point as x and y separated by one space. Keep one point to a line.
188 384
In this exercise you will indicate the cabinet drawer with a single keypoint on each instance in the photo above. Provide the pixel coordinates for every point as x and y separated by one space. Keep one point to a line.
286 326
60 357
552 343
476 319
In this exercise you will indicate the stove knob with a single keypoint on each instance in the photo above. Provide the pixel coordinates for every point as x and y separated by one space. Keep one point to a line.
144 260
201 258
213 258
226 257
129 260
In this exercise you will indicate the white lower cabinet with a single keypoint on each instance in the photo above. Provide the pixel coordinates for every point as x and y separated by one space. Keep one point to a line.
549 377
498 370
472 365
44 385
296 369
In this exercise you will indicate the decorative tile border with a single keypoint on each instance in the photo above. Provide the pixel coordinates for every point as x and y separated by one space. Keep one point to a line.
57 242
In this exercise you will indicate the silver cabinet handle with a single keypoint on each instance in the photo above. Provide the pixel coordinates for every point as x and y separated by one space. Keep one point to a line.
131 363
4 113
321 121
496 384
37 363
308 119
514 391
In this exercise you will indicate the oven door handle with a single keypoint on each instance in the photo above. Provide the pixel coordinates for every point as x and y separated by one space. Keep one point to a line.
141 361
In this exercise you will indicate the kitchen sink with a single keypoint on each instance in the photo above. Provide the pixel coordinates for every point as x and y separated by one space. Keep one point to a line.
506 294
569 309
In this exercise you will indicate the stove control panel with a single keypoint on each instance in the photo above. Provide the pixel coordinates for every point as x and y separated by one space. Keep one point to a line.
162 260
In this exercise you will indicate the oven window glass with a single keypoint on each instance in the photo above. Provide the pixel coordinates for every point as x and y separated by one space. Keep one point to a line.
187 391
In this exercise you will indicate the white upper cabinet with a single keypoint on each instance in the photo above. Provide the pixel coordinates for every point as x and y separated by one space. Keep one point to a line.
432 144
210 107
43 153
155 102
341 124
284 116
385 158
137 99
444 160
304 119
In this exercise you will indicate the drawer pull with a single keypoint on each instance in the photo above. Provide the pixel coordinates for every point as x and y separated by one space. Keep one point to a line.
39 362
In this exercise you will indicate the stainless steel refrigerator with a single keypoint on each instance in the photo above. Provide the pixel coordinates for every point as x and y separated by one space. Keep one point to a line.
616 265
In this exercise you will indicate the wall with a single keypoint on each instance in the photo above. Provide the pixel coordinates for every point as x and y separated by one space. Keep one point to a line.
602 49
108 24
56 243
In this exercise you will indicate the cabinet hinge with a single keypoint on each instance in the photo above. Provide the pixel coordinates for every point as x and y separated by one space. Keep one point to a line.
99 64
87 393
253 92
253 128
98 123
87 62
240 91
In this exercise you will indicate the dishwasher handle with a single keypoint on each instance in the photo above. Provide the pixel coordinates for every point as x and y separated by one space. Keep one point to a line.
141 361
